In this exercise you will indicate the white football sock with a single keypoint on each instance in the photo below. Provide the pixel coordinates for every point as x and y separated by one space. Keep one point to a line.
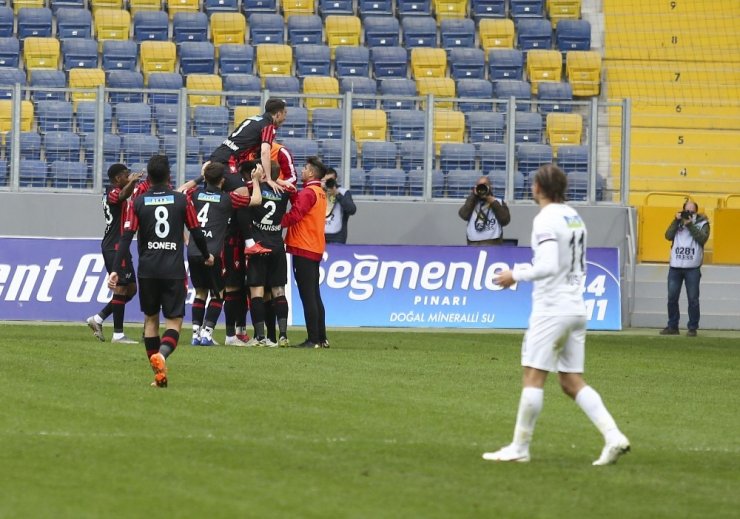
249 242
591 404
118 335
530 406
97 319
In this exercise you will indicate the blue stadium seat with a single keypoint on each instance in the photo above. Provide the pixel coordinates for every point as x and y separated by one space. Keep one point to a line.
351 61
139 148
411 154
220 6
54 116
360 86
7 22
301 149
86 117
66 174
132 82
414 7
457 32
61 145
296 125
326 123
406 125
207 145
30 145
312 60
460 182
266 28
505 64
573 35
419 31
577 189
197 57
9 52
535 33
477 88
74 23
3 173
280 85
120 55
58 5
191 170
79 53
189 27
439 189
151 26
387 182
332 153
527 127
396 90
33 173
488 9
192 148
341 7
167 118
415 182
486 126
381 31
456 156
210 120
133 117
523 9
306 29
467 63
520 90
111 148
553 94
235 59
164 81
8 79
573 158
499 179
48 79
378 155
258 6
492 155
243 83
389 62
34 21
531 156
375 7
358 181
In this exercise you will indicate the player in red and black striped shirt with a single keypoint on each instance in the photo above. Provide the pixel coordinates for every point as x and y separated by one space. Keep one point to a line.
121 186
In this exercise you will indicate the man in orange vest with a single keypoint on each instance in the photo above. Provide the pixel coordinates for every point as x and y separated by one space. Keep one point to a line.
305 241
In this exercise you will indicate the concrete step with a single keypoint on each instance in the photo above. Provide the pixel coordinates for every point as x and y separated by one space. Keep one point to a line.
708 305
647 272
707 322
715 292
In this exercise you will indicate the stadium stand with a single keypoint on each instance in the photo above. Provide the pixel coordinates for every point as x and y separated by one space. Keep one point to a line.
320 85
457 156
111 24
543 66
360 86
296 125
38 53
428 63
534 33
563 10
368 125
7 23
34 22
266 28
368 8
9 52
389 62
138 147
338 7
64 174
527 127
85 117
81 78
54 116
137 6
73 23
243 83
475 88
386 182
42 79
297 7
157 56
488 9
505 64
220 6
164 81
79 53
151 26
467 63
234 58
189 26
564 130
8 79
449 126
33 173
442 87
61 145
119 55
182 6
197 57
457 33
274 60
281 85
351 61
413 8
210 120
342 30
393 92
519 90
406 125
312 60
583 70
305 29
496 33
521 10
573 35
419 31
551 96
381 31
493 156
204 83
381 154
444 9
133 118
259 6
486 126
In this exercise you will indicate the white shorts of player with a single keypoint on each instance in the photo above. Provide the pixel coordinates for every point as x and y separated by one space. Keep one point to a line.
555 343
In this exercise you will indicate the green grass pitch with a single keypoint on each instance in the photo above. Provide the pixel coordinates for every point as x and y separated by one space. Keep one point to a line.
383 424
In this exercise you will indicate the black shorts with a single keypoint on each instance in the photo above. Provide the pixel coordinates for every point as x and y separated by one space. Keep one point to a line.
127 276
267 270
206 277
233 262
167 295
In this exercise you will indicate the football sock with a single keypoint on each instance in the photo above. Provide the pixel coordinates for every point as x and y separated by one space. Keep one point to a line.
104 313
152 345
591 404
213 312
249 242
231 307
119 305
199 310
241 317
280 305
169 342
530 406
269 320
258 316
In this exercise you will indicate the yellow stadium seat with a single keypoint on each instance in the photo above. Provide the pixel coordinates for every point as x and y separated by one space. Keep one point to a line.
180 6
368 125
85 78
449 126
443 87
342 30
496 34
544 65
20 4
274 60
144 5
157 56
207 82
583 69
320 85
563 130
300 7
245 112
450 9
563 10
96 5
426 62
111 24
41 53
228 28
6 116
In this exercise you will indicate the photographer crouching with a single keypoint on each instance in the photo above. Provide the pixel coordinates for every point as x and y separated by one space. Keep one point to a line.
486 215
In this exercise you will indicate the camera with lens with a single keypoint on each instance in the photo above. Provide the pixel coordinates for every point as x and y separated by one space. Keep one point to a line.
330 183
686 215
482 190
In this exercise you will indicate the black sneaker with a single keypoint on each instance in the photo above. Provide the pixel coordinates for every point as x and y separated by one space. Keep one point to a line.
691 333
307 344
669 331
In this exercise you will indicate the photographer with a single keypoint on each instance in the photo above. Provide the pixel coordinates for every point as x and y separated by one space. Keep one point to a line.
688 232
486 215
339 207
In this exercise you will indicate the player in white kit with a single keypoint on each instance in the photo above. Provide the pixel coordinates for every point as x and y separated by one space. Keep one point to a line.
555 339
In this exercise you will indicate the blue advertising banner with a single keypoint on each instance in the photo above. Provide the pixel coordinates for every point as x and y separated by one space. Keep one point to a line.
361 285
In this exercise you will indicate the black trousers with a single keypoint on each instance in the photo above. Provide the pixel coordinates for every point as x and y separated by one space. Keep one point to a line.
306 273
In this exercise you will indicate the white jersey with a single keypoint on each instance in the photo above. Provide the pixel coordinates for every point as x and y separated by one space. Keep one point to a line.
559 264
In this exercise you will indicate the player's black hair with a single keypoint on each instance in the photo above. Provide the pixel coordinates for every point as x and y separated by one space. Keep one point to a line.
116 169
552 182
158 169
331 171
245 168
274 105
214 172
318 167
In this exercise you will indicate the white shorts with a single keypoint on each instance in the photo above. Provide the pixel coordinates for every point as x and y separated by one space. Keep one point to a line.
555 343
